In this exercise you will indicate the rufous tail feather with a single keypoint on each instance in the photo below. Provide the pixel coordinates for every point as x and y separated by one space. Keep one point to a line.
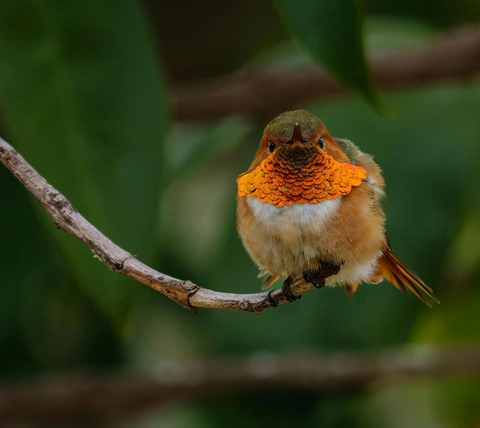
350 289
394 271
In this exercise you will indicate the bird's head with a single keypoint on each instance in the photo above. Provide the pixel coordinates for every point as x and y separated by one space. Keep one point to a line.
297 138
298 162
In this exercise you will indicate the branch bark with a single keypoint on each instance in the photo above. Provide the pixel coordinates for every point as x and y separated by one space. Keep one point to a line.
185 293
90 397
266 91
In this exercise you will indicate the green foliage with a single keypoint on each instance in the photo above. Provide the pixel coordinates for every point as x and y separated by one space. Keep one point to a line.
84 104
332 31
83 100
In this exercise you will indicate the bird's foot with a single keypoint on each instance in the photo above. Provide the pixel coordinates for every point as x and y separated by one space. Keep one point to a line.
271 300
287 291
318 276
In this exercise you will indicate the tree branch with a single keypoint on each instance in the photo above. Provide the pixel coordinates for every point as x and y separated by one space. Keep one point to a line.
266 91
185 293
90 397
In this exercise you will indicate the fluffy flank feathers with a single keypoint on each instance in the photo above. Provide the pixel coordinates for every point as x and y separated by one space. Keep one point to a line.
269 280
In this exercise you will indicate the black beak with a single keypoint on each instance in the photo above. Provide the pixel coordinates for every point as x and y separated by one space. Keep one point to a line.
297 134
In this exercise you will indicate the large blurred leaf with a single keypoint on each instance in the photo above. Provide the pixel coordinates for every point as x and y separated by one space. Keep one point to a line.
83 103
203 178
18 244
45 321
331 30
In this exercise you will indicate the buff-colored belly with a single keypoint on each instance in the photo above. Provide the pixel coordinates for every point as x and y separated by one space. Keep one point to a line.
287 241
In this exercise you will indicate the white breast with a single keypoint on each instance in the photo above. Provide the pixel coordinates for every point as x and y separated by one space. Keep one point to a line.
282 248
298 216
284 242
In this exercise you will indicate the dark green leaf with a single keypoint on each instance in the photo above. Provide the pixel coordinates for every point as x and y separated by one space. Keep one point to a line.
83 103
331 30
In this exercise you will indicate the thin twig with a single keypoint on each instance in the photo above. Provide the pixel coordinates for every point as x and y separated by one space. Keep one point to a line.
186 293
265 91
94 397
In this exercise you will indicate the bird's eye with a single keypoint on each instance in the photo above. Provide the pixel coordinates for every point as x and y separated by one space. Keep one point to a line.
320 142
271 146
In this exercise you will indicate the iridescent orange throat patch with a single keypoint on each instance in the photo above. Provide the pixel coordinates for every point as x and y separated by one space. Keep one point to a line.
280 182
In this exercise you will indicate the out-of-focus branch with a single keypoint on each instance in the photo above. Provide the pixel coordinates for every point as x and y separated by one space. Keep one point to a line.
263 92
186 293
91 397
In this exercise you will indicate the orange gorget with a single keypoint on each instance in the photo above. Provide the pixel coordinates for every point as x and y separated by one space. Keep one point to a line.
280 183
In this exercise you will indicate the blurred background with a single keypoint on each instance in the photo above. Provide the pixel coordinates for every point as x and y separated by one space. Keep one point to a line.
143 114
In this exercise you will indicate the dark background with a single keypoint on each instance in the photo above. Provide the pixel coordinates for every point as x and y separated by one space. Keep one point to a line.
84 97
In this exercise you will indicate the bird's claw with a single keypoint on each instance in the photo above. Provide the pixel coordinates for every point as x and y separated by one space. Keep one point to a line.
287 291
271 300
318 276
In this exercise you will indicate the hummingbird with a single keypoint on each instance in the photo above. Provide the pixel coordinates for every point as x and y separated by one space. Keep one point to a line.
310 206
